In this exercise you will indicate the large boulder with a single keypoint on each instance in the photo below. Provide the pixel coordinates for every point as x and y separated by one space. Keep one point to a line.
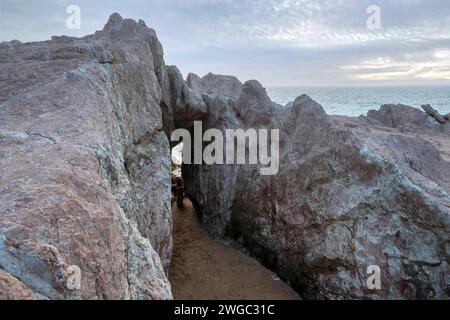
405 118
85 166
398 115
350 193
187 105
433 113
215 84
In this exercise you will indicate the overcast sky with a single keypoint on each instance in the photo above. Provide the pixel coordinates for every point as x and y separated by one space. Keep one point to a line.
279 43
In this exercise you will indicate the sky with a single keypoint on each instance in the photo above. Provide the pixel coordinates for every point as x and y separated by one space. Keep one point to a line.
278 42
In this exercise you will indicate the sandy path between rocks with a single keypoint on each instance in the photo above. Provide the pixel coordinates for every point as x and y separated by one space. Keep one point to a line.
203 268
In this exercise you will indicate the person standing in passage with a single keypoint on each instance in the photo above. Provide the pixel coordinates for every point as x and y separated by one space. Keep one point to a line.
179 192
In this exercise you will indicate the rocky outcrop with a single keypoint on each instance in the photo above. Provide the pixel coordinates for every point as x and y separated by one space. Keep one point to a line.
85 166
404 118
433 112
187 104
85 178
214 84
350 193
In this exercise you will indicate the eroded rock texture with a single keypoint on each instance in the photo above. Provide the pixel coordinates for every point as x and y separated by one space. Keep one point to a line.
85 166
85 178
350 193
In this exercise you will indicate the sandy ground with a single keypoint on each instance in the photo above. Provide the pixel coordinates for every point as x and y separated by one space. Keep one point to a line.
203 268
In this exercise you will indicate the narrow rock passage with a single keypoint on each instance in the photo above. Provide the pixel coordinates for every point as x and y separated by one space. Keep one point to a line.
203 268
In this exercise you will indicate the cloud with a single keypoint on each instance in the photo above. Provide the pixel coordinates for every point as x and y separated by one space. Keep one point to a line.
280 42
432 65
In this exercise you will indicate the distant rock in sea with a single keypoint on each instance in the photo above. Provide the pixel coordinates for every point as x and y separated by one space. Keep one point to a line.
433 112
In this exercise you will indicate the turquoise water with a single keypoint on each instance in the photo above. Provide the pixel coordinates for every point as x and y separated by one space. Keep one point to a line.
354 101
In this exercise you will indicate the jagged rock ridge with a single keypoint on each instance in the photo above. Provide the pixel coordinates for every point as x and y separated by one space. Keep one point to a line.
350 193
85 178
85 166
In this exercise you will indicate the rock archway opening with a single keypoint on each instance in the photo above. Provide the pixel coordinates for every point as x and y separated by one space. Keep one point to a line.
177 158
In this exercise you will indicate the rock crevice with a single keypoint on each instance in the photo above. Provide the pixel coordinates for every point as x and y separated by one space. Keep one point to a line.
350 193
85 178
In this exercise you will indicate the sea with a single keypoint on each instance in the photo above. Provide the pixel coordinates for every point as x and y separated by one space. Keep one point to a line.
355 101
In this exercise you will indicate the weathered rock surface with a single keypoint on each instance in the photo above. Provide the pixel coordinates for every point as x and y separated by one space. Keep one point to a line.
13 289
405 118
433 112
187 104
214 84
85 178
350 193
85 166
